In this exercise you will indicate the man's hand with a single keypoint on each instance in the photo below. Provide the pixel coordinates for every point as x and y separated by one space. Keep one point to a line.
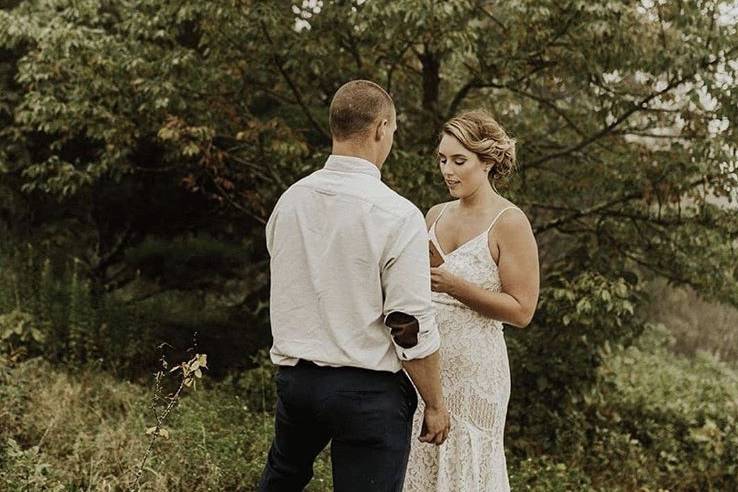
426 375
436 425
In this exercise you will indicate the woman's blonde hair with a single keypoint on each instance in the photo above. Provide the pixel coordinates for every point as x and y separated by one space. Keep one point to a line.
478 132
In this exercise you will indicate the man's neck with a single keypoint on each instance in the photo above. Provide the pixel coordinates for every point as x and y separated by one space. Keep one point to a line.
349 150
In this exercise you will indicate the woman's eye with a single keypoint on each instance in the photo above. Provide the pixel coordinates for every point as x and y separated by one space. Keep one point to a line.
459 162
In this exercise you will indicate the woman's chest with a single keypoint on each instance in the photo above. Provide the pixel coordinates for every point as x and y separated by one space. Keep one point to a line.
473 262
455 235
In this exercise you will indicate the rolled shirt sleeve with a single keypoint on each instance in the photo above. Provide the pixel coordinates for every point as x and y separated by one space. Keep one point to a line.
406 287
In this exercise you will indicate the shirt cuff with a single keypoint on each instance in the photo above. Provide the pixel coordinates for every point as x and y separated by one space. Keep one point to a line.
429 341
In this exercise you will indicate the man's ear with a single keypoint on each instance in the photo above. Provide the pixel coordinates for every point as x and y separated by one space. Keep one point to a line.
381 130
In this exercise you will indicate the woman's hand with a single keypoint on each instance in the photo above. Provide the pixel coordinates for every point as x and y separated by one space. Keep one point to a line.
444 281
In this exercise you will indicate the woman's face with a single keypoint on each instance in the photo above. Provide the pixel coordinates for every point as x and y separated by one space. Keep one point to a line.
461 168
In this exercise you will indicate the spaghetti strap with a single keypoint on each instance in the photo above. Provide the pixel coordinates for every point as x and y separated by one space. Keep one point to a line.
498 216
439 215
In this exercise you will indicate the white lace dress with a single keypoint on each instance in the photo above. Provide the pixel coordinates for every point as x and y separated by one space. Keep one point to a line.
476 385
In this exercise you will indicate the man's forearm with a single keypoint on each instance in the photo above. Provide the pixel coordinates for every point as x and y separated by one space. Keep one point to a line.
426 375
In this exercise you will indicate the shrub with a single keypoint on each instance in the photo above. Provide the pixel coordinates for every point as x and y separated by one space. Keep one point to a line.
656 420
545 474
48 308
20 334
26 469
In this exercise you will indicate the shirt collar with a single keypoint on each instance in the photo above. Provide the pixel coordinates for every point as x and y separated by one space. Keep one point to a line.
350 164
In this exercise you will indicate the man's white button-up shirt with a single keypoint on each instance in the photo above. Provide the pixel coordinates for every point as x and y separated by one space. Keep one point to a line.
346 252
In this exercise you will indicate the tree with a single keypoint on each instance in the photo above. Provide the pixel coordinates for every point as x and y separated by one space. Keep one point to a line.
624 112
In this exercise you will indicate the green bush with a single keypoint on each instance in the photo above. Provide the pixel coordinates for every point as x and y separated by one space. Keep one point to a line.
122 331
186 262
655 420
26 469
545 474
557 357
48 307
20 334
257 384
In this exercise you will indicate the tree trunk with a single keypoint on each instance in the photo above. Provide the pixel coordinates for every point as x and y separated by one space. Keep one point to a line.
431 64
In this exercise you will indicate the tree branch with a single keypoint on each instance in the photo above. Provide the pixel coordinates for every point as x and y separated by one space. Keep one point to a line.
460 96
103 261
639 106
606 130
234 203
325 136
595 209
494 19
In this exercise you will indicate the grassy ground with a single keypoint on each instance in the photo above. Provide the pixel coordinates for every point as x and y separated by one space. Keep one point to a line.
655 421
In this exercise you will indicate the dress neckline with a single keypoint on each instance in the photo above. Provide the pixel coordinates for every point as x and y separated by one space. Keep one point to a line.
437 243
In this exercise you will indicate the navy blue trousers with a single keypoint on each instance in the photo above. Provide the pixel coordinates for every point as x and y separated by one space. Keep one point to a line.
365 415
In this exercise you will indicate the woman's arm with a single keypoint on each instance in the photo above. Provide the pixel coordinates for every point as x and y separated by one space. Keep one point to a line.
519 275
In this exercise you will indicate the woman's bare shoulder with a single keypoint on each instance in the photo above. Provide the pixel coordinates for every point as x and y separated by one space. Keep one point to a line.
434 212
512 224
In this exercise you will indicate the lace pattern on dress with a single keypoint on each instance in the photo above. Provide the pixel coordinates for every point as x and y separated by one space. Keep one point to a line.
475 376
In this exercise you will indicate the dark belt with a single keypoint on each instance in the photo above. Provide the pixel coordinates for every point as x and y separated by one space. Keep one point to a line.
306 363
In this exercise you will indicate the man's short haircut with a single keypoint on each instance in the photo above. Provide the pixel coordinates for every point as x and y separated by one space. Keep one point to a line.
357 105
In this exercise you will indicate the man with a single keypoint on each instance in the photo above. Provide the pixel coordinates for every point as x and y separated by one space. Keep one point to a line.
350 307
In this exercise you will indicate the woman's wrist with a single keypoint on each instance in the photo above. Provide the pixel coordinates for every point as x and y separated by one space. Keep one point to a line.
455 286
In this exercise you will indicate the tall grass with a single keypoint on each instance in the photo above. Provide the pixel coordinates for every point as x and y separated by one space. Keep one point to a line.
79 326
654 421
85 430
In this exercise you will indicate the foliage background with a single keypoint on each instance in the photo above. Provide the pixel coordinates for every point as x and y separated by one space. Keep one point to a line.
143 145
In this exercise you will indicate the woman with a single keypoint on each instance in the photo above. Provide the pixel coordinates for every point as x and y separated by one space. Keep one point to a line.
489 276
